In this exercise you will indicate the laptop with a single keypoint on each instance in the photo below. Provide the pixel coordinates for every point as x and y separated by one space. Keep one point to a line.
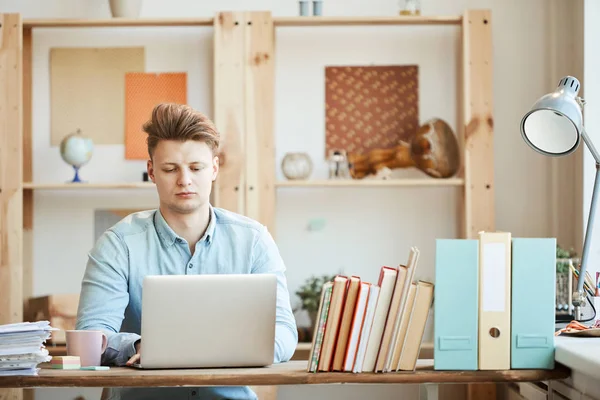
208 321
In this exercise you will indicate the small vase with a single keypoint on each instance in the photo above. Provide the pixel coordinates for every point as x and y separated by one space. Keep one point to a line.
125 8
296 166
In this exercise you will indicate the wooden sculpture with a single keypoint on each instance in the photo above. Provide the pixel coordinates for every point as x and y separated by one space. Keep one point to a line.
433 149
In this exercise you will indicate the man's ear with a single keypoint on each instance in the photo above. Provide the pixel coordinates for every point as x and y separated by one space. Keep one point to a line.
215 167
150 168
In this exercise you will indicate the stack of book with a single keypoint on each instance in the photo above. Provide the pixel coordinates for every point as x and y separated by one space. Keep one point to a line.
22 347
367 327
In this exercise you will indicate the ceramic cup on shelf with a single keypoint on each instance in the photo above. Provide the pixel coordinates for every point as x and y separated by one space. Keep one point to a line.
87 345
304 8
317 7
125 8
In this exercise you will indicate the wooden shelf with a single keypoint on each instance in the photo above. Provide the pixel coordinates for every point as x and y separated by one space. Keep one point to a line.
115 22
348 21
208 21
307 183
289 373
84 186
372 182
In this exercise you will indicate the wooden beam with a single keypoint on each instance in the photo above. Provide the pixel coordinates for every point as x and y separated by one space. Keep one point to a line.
259 84
114 22
478 122
229 110
11 175
461 228
27 133
11 169
27 173
91 186
478 139
366 21
419 182
259 109
279 21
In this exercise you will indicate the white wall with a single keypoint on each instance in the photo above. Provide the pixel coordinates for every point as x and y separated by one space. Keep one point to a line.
365 228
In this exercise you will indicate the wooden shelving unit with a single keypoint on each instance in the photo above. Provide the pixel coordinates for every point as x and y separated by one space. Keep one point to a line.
358 183
244 103
277 21
349 21
115 22
87 186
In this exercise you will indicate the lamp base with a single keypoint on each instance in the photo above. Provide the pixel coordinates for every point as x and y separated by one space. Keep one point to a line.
578 304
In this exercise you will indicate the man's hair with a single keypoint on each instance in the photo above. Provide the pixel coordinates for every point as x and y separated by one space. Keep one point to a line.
181 122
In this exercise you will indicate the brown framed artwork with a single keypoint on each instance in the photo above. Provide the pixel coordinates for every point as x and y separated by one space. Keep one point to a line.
370 107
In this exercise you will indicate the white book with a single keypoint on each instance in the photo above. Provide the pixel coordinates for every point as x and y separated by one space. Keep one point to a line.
387 282
366 328
356 326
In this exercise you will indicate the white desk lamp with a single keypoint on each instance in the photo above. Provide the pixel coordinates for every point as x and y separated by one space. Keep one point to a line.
554 127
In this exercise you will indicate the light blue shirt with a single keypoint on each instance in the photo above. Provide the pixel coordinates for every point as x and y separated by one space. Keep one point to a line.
143 244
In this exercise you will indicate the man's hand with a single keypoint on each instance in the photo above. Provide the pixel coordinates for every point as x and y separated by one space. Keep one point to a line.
136 357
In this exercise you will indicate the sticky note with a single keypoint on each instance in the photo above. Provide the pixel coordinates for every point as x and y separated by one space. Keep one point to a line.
65 366
65 362
95 368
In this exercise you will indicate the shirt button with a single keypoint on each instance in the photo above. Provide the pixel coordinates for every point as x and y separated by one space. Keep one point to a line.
190 266
179 240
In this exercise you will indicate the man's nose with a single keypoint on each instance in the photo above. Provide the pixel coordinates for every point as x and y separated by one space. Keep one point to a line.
184 178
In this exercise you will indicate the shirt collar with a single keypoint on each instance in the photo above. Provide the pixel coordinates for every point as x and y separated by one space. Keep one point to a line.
168 235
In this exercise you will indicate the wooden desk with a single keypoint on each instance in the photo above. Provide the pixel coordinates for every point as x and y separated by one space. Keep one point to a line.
582 356
290 373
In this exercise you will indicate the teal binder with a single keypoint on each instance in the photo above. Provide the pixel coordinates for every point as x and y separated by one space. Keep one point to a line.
456 304
533 302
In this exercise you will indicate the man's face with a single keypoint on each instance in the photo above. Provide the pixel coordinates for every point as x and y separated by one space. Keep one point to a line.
183 173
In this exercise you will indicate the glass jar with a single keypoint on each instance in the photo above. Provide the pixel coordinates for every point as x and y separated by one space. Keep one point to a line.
410 7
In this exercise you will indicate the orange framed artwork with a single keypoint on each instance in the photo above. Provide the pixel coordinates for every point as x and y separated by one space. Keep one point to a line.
143 91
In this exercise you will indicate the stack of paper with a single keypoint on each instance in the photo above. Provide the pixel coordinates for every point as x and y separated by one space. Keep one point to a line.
22 347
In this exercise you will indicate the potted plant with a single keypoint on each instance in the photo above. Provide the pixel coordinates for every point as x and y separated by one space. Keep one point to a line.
562 259
310 295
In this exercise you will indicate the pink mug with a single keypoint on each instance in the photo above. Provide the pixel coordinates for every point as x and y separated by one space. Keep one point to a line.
88 345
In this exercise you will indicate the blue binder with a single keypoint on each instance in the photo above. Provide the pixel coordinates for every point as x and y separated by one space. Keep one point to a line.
533 300
456 304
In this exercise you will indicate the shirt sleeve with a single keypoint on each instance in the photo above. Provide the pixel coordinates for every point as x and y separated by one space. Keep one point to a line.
266 259
104 297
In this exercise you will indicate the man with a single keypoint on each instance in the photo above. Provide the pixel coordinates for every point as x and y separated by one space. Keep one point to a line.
185 235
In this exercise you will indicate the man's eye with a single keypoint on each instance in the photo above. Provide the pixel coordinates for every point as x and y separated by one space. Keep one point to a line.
168 170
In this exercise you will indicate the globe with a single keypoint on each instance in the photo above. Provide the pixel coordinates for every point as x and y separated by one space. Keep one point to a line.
76 150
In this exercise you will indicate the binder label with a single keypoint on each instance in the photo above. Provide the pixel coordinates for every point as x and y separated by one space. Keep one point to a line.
532 341
455 343
494 277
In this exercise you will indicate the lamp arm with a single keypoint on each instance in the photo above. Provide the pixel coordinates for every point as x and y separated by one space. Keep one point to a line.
590 145
589 227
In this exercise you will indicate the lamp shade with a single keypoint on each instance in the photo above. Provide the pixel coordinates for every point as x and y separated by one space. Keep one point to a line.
553 126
